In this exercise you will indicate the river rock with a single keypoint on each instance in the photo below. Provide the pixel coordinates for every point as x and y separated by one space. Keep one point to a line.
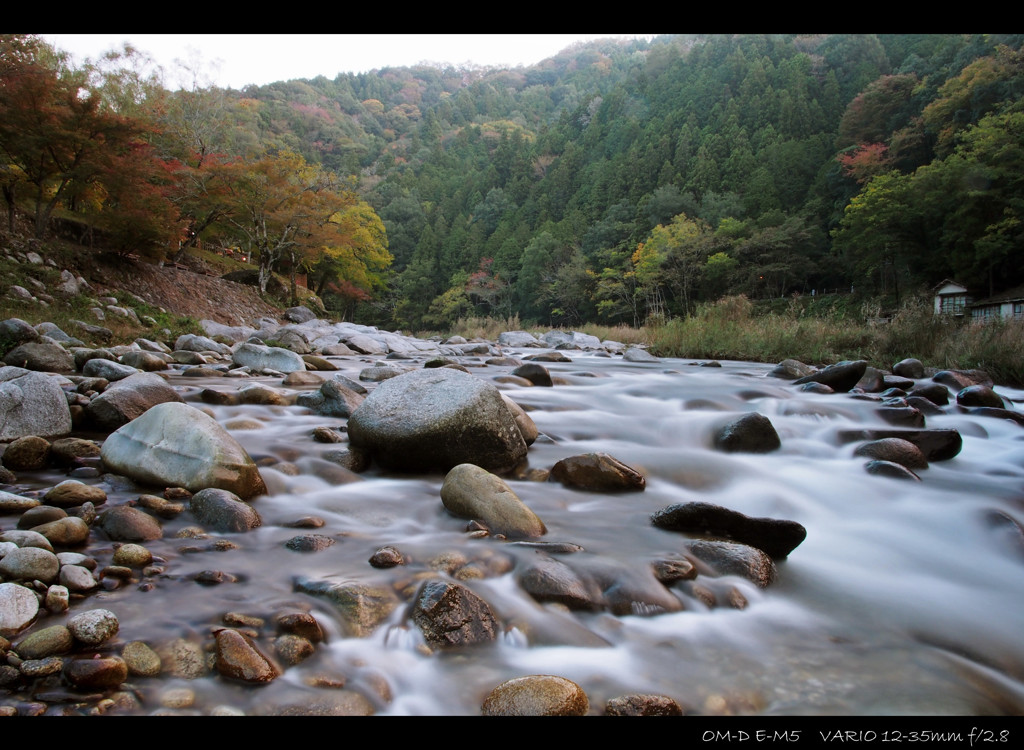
12 504
238 658
30 564
751 433
52 641
142 661
177 445
536 695
42 356
450 615
127 524
960 379
258 393
897 450
222 510
890 469
642 705
98 673
599 472
536 374
26 538
471 492
732 558
32 403
437 419
362 606
635 354
775 537
979 395
94 626
65 532
194 343
71 493
527 427
77 579
909 368
549 580
14 332
127 399
261 358
840 377
936 444
333 399
73 451
18 608
108 370
518 339
29 453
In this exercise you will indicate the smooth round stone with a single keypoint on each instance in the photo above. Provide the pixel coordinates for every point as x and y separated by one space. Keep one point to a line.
65 532
94 626
26 538
239 659
96 674
29 453
536 695
77 579
12 504
30 564
71 493
142 661
128 524
132 555
18 608
77 558
292 649
58 599
51 641
38 514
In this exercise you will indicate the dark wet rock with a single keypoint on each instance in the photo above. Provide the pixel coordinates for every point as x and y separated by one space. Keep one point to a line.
909 368
988 411
927 407
668 570
471 492
629 591
816 388
901 416
791 369
896 450
980 395
890 469
126 524
731 558
536 374
302 624
597 471
32 513
642 705
174 444
936 444
536 695
309 543
52 641
450 615
871 381
437 419
937 393
238 658
775 537
840 377
895 381
751 433
362 606
550 580
99 673
960 379
387 557
221 510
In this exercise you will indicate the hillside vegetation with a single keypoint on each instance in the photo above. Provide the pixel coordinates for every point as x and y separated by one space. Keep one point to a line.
617 183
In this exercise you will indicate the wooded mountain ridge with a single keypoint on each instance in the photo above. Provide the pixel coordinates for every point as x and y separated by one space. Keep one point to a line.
619 181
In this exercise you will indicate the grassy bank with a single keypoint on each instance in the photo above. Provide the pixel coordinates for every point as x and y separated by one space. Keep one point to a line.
730 329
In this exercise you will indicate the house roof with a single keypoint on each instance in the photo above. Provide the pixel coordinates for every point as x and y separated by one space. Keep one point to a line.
1010 295
946 282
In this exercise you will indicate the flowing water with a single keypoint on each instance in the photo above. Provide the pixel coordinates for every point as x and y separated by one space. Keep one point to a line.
904 599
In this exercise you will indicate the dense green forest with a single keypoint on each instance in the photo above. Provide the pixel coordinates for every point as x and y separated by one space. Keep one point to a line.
617 182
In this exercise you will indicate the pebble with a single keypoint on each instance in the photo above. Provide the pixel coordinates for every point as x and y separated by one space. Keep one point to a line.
142 661
93 626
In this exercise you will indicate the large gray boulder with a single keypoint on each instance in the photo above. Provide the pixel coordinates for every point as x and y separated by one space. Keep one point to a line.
45 355
32 403
129 398
177 445
436 419
260 358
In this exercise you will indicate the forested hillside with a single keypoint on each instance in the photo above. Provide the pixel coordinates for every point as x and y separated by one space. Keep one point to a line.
613 182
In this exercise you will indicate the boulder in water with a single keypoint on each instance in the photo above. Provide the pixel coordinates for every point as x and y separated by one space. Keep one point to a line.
177 445
471 492
437 419
775 537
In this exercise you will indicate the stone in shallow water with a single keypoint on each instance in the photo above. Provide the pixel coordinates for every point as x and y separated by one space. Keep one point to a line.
536 695
775 537
471 492
239 659
450 615
599 472
751 433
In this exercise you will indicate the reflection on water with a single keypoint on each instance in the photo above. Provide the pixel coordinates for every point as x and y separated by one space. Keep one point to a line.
905 597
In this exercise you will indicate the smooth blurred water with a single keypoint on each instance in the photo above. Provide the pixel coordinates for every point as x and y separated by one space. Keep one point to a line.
904 599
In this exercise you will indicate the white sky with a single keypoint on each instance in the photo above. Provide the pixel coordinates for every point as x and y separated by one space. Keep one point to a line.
236 60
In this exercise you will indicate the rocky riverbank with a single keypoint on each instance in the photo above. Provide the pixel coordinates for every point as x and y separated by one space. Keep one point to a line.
103 455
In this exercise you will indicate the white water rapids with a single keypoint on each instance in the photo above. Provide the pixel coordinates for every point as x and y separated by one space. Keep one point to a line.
904 599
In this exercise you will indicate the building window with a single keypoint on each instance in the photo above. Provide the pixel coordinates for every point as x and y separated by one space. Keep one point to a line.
1018 310
952 304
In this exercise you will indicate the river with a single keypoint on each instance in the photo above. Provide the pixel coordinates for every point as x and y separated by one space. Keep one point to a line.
906 598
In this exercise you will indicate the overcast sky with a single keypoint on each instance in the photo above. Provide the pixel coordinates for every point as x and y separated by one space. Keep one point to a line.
236 60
